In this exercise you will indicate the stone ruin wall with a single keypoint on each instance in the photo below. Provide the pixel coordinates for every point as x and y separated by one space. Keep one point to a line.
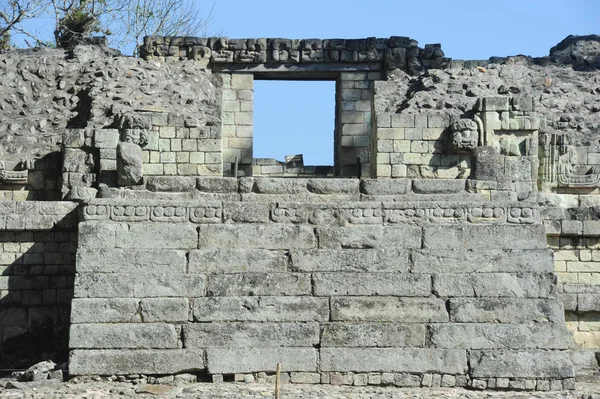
433 268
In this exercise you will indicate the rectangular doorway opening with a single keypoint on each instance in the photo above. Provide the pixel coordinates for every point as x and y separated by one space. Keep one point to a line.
294 128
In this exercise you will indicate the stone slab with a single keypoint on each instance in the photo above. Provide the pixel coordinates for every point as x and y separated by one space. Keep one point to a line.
109 362
118 260
252 284
350 260
249 360
123 336
517 285
460 260
505 310
413 360
250 335
521 364
231 260
388 309
260 309
129 310
269 236
123 285
373 335
357 237
158 235
439 186
500 336
385 186
357 284
485 237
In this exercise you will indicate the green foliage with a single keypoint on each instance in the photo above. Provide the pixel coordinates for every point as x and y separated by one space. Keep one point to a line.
5 41
79 20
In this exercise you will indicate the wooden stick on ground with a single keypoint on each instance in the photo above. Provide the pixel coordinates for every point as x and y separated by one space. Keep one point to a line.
277 380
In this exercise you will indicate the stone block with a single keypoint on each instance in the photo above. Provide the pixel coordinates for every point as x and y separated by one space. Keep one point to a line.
237 260
158 235
217 184
373 335
268 236
118 361
380 284
168 310
250 360
505 310
459 260
439 186
484 237
123 336
388 309
521 364
350 260
522 285
246 212
333 186
386 186
268 185
106 138
413 360
588 302
170 183
358 237
250 335
129 164
305 378
105 310
118 260
105 285
98 234
500 336
495 104
268 308
251 284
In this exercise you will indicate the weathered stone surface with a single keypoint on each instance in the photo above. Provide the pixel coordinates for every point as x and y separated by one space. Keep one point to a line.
391 309
520 285
246 212
123 336
500 336
373 335
353 284
260 309
232 260
268 236
129 310
505 310
418 360
145 361
333 186
588 302
158 235
481 261
129 164
250 335
522 364
170 183
99 234
217 184
109 310
357 237
485 237
438 186
248 360
386 186
266 185
347 260
123 285
251 284
117 260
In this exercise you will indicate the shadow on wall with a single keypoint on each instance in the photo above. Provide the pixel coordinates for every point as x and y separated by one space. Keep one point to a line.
37 270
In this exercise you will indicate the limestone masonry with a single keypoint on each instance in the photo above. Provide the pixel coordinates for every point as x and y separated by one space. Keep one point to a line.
455 241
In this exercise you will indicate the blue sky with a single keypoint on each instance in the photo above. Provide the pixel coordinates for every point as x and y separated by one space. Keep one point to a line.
292 117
